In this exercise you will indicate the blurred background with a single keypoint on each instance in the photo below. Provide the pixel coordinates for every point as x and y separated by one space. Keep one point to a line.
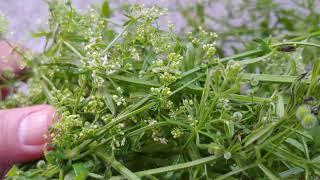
236 21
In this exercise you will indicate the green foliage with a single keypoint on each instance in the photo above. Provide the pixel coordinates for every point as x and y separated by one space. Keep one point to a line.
3 24
149 103
254 19
105 9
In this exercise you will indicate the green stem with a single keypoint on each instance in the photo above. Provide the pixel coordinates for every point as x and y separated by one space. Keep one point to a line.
242 55
117 37
254 60
187 84
236 171
123 117
117 166
308 36
74 50
176 167
296 43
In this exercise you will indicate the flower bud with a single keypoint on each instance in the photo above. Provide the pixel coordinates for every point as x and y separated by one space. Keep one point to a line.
309 121
302 111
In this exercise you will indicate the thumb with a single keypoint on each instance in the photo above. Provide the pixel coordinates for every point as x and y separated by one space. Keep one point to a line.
22 133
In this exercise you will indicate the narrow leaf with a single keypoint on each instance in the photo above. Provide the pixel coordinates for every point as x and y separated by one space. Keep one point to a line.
267 172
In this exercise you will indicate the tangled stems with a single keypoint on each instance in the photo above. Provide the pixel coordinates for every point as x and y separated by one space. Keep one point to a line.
176 167
148 102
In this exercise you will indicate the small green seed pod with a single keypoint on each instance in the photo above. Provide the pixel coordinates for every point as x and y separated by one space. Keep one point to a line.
41 164
227 155
254 81
302 111
238 115
309 121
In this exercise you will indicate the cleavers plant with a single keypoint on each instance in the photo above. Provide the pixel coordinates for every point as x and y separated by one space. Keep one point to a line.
151 103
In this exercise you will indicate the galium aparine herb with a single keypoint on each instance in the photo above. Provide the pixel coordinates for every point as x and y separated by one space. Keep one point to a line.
150 103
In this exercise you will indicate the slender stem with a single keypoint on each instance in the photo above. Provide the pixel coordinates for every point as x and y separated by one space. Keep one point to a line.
236 171
296 43
242 55
176 167
187 84
117 166
68 45
123 117
117 37
254 60
308 36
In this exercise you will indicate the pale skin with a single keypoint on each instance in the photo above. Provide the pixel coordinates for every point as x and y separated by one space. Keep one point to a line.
22 130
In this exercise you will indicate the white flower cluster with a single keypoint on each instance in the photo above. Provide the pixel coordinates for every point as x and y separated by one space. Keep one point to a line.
148 14
62 97
95 103
134 54
119 100
60 131
176 133
168 70
117 144
209 49
99 61
158 139
224 104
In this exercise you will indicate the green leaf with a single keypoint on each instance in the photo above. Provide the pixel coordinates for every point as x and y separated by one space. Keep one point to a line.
285 154
270 78
229 128
200 10
293 172
267 172
280 106
133 80
105 9
109 102
3 24
41 34
14 171
295 144
81 171
261 44
258 133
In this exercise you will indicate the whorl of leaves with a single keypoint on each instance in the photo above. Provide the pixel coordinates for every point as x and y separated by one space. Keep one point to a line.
150 103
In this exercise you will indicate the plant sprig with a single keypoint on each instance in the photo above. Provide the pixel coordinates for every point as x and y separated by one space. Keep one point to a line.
151 103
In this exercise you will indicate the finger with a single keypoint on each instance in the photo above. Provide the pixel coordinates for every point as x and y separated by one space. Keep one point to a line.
22 133
9 59
3 169
4 92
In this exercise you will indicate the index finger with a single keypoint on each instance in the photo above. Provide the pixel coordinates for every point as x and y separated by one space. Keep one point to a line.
9 59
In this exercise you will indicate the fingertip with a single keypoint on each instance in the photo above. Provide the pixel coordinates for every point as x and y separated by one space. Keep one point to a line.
3 169
23 138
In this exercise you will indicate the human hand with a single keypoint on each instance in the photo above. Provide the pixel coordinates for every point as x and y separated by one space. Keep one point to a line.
22 130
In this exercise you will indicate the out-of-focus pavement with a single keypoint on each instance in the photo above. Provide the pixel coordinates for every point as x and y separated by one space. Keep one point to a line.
26 16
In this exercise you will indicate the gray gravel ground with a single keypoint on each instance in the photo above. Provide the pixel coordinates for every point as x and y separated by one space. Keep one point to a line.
26 16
